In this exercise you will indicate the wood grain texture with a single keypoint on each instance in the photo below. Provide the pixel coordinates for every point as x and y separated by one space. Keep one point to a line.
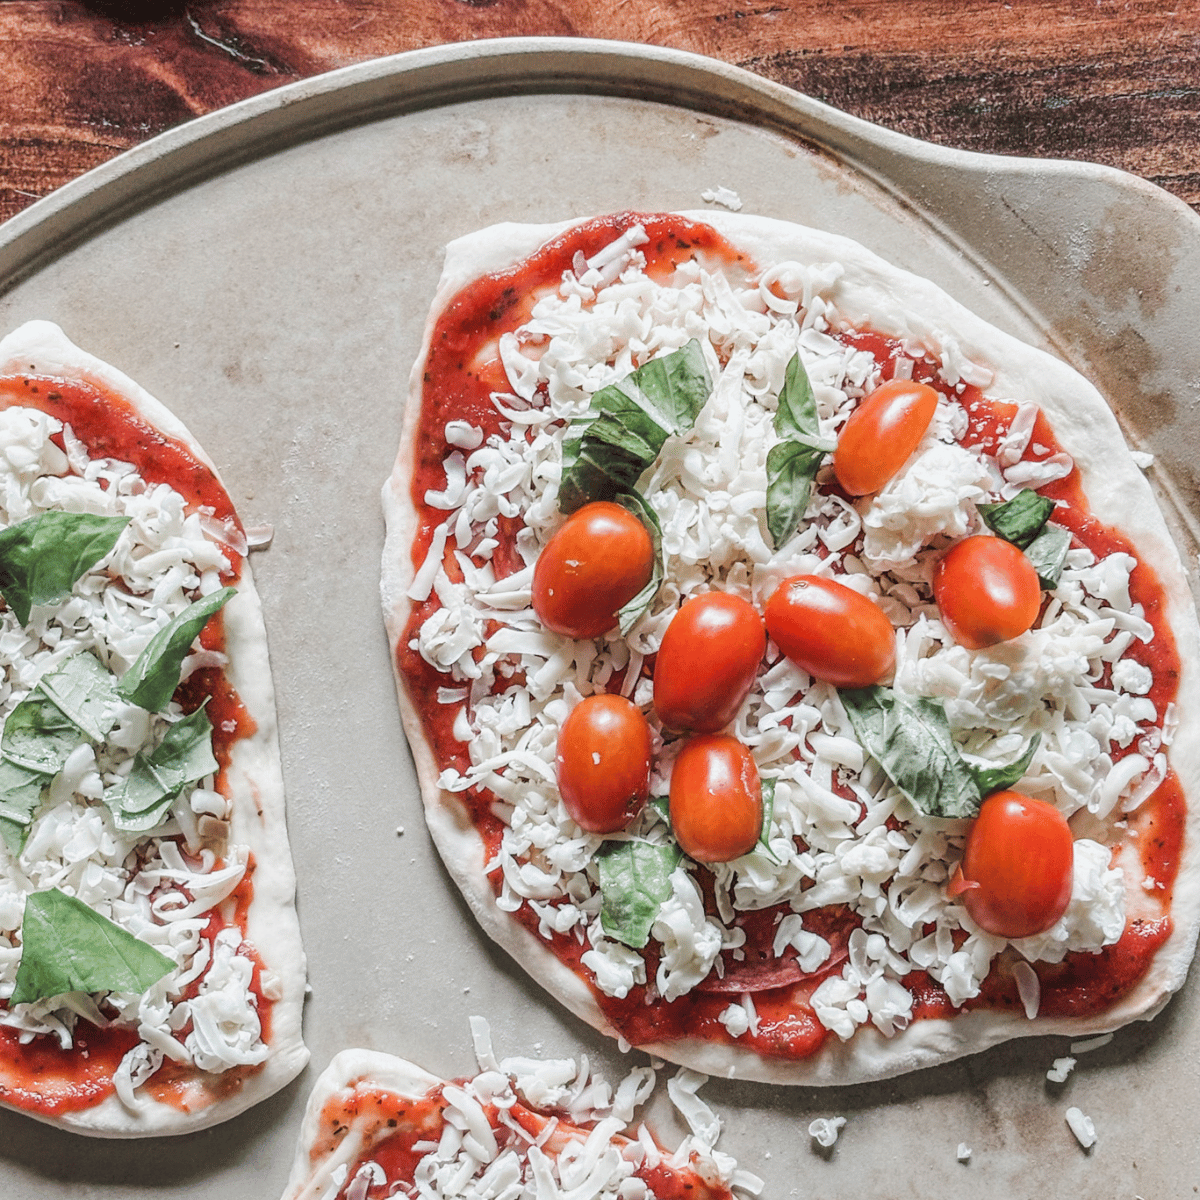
1113 81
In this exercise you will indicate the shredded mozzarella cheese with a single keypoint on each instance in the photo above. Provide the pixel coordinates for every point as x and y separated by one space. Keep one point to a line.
161 886
840 833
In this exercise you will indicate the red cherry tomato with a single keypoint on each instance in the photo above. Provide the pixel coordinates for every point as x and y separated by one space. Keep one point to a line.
599 559
604 763
833 632
987 591
881 434
716 799
707 662
1017 870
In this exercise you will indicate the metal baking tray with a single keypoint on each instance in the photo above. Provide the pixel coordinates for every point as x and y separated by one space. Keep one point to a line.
266 271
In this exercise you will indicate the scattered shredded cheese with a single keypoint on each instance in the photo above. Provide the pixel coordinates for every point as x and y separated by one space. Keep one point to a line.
160 886
1073 680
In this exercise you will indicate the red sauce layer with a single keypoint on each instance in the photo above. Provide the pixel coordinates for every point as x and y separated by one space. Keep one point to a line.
393 1126
463 369
40 1077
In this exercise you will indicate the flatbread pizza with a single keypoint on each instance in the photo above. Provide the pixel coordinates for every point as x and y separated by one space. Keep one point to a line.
799 673
151 971
376 1125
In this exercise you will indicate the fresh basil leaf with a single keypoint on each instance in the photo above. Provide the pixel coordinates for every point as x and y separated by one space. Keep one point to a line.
627 423
768 801
995 779
182 757
38 735
635 879
1020 519
797 411
21 792
1048 553
791 468
661 805
14 834
85 691
633 610
40 559
151 681
68 947
672 387
910 739
793 462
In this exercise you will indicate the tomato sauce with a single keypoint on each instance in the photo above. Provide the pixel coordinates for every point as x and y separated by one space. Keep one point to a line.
39 1076
463 369
393 1128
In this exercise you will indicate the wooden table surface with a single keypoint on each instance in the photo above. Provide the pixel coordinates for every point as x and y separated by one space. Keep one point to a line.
1114 81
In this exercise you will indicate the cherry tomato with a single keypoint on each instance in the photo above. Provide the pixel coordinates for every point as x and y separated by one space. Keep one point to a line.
987 591
599 559
832 631
604 762
716 799
1016 873
881 433
707 662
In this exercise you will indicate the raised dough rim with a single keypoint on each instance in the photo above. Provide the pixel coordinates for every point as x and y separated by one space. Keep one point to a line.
1129 505
255 771
347 1067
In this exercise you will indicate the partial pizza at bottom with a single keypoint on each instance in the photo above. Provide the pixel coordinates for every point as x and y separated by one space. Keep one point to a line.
376 1126
800 676
151 972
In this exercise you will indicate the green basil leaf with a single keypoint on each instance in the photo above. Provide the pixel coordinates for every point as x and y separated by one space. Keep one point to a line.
793 463
21 792
797 411
1020 519
85 691
184 756
40 559
996 779
151 681
38 735
633 610
1048 553
791 468
609 447
68 947
768 801
635 879
910 739
661 805
14 834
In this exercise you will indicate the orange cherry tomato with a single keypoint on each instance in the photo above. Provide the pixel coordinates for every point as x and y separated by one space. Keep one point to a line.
716 799
707 662
599 559
1018 866
832 631
604 762
881 433
987 591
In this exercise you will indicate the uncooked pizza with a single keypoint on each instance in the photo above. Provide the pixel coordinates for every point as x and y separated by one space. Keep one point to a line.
150 961
378 1126
799 672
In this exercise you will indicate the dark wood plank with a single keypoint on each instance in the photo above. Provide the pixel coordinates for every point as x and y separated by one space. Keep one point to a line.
1116 81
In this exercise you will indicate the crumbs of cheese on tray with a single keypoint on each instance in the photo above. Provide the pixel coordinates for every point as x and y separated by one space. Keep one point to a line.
1082 1126
161 885
840 833
825 1130
726 197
